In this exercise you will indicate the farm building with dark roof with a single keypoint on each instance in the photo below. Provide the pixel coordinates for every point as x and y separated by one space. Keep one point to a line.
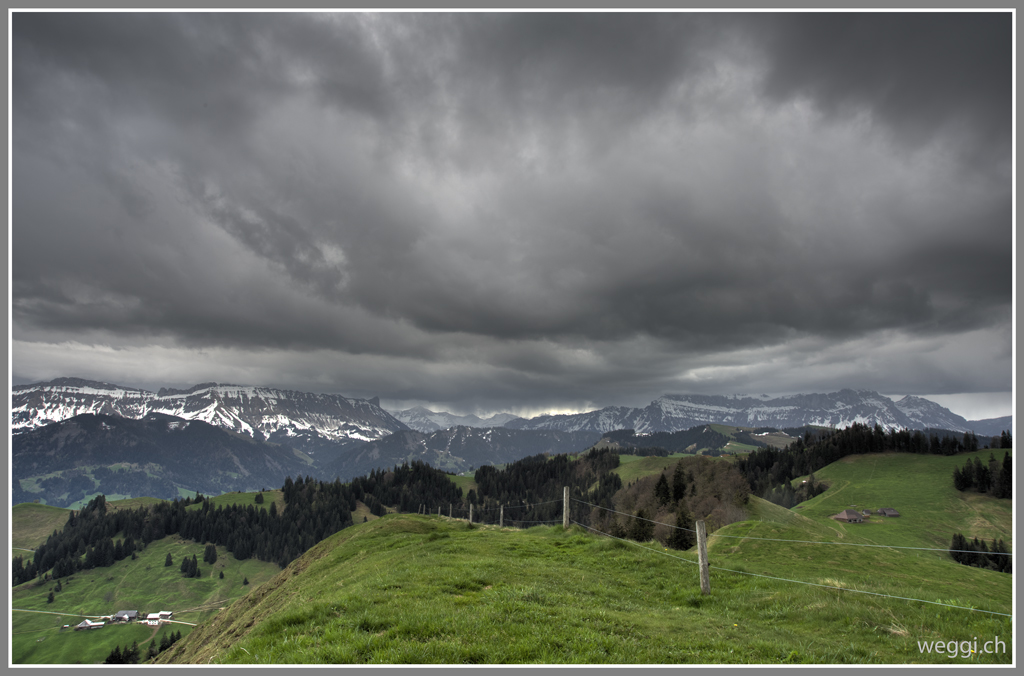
849 516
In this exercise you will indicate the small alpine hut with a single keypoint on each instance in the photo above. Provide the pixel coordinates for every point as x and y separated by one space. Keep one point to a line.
86 624
849 516
888 511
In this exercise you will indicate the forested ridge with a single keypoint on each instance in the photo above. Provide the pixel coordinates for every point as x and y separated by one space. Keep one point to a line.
313 510
522 484
770 470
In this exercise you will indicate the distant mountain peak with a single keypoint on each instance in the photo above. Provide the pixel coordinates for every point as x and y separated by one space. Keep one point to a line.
298 418
425 420
842 408
72 382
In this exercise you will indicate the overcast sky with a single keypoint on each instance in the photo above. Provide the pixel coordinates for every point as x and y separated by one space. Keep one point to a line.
522 212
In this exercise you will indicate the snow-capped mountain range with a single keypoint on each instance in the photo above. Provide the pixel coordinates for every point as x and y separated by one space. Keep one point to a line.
311 421
259 412
673 412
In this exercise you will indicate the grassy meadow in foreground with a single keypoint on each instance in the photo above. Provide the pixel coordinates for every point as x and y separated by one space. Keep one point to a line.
423 589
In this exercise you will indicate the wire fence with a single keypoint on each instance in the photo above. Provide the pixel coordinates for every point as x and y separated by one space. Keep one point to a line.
783 579
509 522
809 542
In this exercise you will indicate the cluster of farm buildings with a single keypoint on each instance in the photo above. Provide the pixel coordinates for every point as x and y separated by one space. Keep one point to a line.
853 516
123 616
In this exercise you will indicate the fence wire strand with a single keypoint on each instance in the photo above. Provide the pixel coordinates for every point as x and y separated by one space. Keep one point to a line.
809 542
782 579
768 577
632 516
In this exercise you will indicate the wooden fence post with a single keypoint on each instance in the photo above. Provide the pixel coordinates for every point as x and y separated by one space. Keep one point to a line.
501 518
702 558
565 508
471 512
449 510
439 511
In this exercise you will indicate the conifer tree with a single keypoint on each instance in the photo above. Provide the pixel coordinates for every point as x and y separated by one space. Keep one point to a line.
968 474
981 476
642 529
1006 478
681 537
115 656
662 491
959 480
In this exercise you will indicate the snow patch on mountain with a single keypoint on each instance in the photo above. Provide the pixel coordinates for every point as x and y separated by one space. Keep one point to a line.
673 412
257 412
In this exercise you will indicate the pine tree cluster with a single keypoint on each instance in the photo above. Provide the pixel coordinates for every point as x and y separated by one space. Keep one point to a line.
993 477
978 554
531 489
127 656
85 542
190 567
313 511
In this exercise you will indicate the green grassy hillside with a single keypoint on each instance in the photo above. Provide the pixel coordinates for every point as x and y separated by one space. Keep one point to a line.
422 589
633 467
920 487
145 585
466 482
32 523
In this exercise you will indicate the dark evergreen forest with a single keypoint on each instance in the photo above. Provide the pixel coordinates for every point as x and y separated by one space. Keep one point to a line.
313 510
993 477
522 485
978 554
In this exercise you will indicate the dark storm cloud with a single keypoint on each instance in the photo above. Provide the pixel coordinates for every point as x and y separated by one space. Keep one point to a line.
922 73
500 207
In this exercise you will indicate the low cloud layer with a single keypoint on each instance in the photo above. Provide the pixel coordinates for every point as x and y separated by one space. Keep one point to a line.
514 211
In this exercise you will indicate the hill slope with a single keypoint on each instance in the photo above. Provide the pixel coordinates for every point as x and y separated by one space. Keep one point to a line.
455 449
423 589
153 456
920 488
